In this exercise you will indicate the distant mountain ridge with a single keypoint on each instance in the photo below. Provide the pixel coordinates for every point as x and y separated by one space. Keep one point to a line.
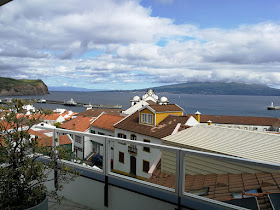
20 87
68 88
217 88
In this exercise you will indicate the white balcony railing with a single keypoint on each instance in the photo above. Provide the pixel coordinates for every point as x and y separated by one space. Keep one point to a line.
177 195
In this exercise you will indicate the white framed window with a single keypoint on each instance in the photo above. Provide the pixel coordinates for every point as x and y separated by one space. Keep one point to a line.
146 118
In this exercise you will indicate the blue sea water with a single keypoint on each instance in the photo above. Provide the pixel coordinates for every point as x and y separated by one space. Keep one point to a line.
232 105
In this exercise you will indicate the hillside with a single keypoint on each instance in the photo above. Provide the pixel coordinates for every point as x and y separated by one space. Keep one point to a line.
13 87
217 88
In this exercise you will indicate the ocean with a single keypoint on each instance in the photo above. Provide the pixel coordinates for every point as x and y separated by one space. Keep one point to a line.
231 105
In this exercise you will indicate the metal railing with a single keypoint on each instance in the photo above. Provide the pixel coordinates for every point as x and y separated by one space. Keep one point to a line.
132 149
181 153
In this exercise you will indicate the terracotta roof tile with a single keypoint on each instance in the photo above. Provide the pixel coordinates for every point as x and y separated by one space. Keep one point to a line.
79 123
166 108
97 112
164 128
223 192
107 121
240 120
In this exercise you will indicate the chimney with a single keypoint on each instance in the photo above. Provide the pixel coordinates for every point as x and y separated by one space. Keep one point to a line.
197 116
209 122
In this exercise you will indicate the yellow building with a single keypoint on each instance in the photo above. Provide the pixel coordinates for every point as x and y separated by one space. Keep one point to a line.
154 114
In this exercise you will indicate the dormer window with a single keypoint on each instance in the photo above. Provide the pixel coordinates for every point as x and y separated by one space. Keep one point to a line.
146 118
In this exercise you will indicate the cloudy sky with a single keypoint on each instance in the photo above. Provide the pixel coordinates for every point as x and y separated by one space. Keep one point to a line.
129 44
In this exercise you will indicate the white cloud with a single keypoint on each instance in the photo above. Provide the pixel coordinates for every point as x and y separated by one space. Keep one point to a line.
47 39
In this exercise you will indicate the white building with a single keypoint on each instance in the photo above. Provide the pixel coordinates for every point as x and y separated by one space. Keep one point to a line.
149 98
149 124
262 124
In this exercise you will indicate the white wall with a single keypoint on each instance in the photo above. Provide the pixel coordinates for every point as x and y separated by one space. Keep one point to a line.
245 127
141 155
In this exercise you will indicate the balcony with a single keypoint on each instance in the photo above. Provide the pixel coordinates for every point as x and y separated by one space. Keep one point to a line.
175 180
132 149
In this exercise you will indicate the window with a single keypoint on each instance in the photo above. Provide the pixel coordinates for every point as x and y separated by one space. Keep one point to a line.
133 137
78 139
121 157
255 128
146 149
78 149
101 133
92 131
121 135
146 166
147 118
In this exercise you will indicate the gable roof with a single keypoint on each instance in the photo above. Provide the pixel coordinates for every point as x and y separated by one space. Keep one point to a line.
107 121
252 145
164 128
240 120
79 123
97 112
163 108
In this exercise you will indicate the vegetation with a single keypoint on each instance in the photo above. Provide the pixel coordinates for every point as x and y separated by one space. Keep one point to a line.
217 88
22 173
9 83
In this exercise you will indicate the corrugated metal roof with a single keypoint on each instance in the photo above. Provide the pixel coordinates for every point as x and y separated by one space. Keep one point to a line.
235 142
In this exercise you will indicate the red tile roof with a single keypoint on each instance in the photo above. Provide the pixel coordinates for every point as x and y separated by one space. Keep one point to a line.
221 186
79 123
166 108
240 120
107 121
97 112
47 117
164 128
48 141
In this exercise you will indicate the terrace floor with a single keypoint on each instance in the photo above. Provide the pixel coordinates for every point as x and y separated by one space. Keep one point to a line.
65 205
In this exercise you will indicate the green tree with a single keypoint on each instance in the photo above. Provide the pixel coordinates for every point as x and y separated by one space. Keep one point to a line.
23 173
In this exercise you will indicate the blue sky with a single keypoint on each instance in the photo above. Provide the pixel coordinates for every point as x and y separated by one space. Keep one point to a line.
130 44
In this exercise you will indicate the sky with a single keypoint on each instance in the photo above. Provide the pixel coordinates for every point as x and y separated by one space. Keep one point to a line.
132 44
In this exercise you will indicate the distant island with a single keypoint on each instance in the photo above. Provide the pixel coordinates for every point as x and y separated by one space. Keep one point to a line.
215 88
71 89
20 87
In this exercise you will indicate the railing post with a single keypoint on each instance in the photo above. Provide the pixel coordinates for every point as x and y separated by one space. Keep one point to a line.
106 165
180 178
55 159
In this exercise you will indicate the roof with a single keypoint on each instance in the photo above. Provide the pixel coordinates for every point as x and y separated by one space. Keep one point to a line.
164 128
45 137
165 108
48 141
47 117
97 112
221 186
253 145
240 120
79 123
107 121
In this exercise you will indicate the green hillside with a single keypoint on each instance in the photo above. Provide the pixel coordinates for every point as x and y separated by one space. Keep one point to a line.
9 86
9 83
218 88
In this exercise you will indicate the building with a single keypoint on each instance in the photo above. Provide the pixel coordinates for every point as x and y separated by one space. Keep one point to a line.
149 98
241 122
257 146
104 124
96 112
45 137
149 124
83 145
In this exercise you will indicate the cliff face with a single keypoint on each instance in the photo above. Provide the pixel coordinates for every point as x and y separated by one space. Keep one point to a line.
11 87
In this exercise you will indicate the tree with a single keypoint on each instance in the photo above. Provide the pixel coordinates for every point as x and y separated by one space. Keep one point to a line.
23 174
